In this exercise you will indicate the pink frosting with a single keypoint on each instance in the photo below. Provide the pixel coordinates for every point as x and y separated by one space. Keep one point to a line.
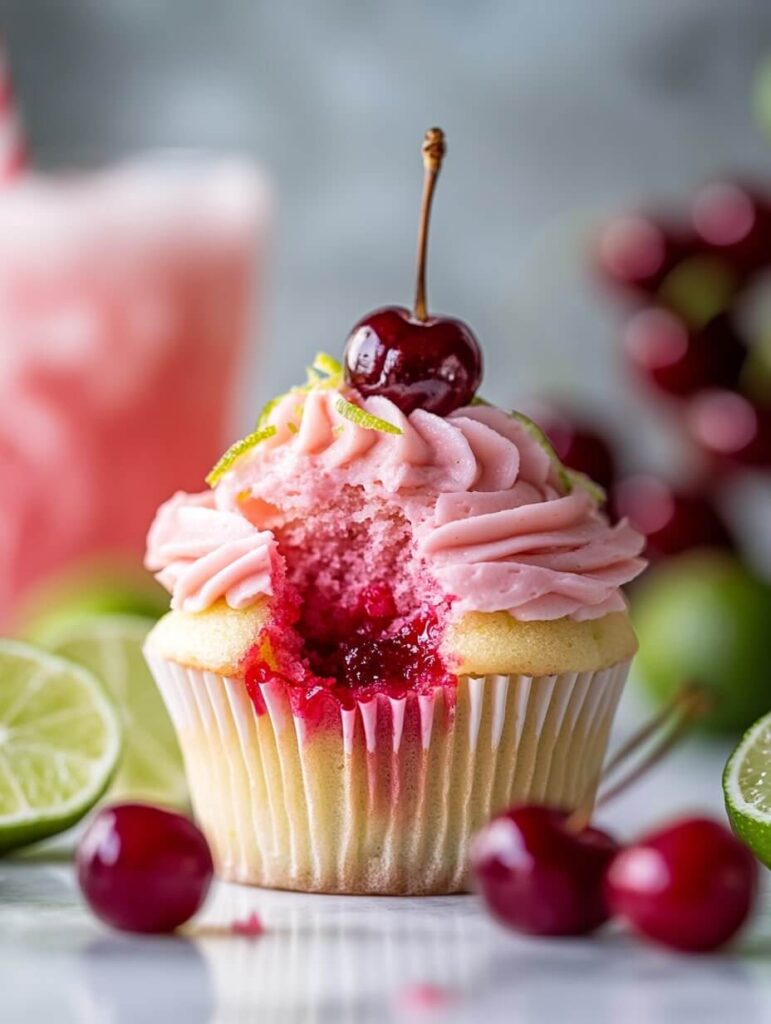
489 515
202 554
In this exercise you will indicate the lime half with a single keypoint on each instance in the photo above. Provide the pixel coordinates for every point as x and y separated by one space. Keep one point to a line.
60 742
747 789
111 646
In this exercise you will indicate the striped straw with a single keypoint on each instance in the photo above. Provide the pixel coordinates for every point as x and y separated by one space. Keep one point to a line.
13 147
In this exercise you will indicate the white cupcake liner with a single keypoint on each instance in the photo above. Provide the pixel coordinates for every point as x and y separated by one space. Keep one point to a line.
385 798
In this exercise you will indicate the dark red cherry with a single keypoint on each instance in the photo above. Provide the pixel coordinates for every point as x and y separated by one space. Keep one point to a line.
728 426
690 886
678 361
537 876
432 364
671 519
142 868
579 444
416 360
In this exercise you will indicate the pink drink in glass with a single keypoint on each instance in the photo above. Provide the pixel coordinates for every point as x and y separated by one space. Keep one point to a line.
126 300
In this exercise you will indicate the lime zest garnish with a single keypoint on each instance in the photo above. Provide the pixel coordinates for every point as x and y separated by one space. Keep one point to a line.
579 479
364 419
536 433
325 373
235 451
540 437
328 365
267 409
292 428
478 400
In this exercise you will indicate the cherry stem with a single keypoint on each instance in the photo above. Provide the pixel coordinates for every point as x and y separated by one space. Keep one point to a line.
433 152
691 702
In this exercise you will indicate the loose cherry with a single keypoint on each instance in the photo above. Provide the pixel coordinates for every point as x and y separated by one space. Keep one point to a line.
578 444
672 520
416 360
690 886
538 876
142 868
681 362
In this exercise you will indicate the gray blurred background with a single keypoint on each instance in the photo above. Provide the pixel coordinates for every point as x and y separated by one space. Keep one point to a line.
558 113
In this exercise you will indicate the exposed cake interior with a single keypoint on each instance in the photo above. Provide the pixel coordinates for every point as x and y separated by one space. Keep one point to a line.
354 607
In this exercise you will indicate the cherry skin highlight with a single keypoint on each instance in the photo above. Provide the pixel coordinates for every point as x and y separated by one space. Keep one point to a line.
689 886
538 877
142 868
433 364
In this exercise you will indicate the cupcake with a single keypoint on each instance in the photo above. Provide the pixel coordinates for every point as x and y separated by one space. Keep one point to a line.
394 613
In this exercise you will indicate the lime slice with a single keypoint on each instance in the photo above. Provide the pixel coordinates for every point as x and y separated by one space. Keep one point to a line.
747 789
60 742
111 646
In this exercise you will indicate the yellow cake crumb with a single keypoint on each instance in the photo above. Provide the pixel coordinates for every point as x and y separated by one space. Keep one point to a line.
479 643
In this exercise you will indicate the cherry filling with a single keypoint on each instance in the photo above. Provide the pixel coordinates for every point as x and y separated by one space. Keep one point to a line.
355 610
350 653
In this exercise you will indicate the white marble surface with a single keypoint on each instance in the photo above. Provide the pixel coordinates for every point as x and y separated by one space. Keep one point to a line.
345 960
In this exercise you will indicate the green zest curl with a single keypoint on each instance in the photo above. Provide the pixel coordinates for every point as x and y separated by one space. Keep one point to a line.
543 441
235 451
364 419
325 374
328 365
267 409
578 479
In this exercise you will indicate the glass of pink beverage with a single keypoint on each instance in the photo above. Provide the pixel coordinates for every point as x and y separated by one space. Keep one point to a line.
127 297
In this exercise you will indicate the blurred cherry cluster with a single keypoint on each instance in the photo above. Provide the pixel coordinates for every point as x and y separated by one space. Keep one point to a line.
698 340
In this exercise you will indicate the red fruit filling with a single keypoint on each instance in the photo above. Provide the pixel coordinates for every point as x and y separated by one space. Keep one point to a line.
354 613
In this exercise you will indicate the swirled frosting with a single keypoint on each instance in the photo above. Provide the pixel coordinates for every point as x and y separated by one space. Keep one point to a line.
491 520
202 554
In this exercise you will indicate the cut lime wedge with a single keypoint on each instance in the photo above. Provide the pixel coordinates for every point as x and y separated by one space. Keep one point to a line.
60 742
747 789
111 646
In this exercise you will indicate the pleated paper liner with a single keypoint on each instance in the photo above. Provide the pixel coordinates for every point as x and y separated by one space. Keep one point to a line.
384 797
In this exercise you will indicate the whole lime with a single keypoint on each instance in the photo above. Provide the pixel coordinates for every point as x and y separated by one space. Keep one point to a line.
705 617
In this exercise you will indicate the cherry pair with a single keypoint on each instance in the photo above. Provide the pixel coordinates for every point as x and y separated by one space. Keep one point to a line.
690 885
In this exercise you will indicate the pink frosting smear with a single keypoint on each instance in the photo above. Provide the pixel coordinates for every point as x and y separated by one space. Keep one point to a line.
488 515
